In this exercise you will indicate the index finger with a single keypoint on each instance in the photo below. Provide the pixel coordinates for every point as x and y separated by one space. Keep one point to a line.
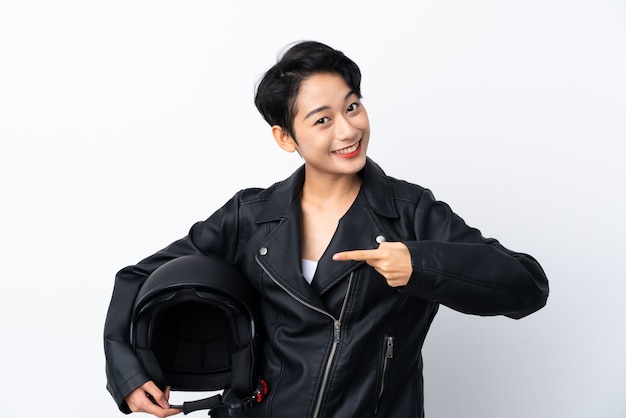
356 255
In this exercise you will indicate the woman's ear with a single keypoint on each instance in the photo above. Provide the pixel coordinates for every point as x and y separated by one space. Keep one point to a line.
283 139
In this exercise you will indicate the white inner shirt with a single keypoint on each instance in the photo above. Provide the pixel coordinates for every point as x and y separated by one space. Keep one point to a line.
308 269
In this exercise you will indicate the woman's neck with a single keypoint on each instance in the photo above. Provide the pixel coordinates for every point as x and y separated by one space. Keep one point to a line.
330 190
323 204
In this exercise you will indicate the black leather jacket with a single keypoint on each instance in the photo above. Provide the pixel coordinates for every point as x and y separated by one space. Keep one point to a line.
348 345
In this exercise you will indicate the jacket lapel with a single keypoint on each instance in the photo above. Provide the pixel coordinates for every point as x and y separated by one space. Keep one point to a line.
280 257
280 254
359 228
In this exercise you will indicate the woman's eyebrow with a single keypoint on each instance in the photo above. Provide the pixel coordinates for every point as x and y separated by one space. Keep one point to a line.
322 108
314 111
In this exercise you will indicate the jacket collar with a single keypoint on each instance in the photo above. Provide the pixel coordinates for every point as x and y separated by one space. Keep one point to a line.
376 189
358 229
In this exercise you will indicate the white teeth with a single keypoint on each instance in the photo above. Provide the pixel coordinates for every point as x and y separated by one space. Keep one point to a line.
348 150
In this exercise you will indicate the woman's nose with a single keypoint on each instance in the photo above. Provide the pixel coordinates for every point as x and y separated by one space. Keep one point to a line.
345 130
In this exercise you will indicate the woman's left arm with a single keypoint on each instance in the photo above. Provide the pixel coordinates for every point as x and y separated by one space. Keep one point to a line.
453 264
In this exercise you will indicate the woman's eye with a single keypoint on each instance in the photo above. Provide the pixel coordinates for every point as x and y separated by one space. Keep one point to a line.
321 121
352 107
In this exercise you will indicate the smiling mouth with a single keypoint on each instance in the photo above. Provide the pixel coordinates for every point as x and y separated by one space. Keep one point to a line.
348 150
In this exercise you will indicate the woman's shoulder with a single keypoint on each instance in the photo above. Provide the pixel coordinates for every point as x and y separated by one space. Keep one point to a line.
402 190
279 194
257 198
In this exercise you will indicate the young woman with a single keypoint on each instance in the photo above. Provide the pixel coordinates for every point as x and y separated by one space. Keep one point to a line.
350 264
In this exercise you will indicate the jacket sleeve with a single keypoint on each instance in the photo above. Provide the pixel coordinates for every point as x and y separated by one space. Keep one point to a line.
216 235
453 264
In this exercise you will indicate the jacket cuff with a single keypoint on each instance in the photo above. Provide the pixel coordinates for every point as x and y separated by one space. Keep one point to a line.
416 285
125 389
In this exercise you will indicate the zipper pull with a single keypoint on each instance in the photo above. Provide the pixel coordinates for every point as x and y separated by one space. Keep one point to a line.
337 330
389 350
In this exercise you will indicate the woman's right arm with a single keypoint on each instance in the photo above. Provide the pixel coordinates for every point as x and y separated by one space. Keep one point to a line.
125 373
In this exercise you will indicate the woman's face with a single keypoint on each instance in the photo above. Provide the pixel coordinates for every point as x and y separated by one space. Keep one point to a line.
331 126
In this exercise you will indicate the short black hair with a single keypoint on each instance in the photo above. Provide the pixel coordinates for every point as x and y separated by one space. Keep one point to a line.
278 89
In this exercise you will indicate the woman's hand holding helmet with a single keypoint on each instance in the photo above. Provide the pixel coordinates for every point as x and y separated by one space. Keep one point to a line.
150 399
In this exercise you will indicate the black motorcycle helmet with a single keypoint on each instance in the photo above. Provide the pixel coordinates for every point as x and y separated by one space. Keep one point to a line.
193 328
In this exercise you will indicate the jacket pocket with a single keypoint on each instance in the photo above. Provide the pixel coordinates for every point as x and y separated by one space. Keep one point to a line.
387 357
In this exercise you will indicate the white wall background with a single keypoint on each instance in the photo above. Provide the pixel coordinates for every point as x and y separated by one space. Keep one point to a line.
119 116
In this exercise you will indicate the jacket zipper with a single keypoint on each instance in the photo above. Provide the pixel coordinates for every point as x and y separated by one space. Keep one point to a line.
337 331
388 355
